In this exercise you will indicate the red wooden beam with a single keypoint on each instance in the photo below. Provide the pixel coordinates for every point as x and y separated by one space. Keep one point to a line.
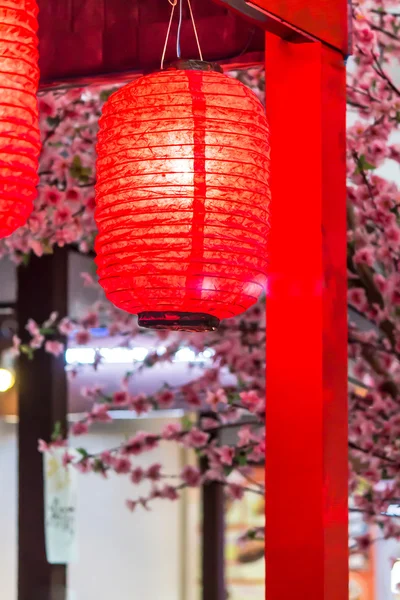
107 38
325 20
247 60
306 415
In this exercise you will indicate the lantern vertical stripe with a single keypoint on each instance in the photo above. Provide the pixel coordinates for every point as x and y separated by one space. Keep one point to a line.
193 280
19 122
182 195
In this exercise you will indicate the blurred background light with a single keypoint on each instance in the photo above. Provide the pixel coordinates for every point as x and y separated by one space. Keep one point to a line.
119 355
7 380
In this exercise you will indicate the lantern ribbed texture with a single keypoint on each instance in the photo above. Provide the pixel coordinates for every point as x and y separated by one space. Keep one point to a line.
19 123
182 195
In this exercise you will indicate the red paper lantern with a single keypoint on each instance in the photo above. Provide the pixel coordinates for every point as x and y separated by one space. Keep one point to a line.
182 198
19 124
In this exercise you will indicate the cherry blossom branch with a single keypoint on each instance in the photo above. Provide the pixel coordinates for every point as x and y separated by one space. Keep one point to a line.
384 31
378 68
354 446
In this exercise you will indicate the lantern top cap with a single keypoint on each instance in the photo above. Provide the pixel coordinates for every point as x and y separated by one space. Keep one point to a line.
194 65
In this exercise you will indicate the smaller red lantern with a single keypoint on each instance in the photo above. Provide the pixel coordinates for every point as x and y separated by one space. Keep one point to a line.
19 122
182 197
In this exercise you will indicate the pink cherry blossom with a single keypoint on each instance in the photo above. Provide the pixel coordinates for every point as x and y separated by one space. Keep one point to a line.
250 400
120 398
73 194
139 404
54 347
91 392
169 492
165 399
91 319
136 444
357 297
37 341
208 423
82 337
79 428
195 438
43 446
122 465
137 475
100 413
84 466
171 431
51 320
33 328
51 196
235 491
67 459
214 399
47 106
65 326
364 256
226 455
131 505
257 454
154 472
88 280
62 215
37 247
191 476
151 441
245 436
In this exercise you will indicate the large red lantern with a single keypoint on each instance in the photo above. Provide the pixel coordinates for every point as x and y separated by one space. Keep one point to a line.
19 126
182 197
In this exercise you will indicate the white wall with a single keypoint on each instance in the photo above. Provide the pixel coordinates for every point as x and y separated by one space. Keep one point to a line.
8 512
385 552
122 556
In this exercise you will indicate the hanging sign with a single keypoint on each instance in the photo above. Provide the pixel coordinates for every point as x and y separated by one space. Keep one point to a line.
60 497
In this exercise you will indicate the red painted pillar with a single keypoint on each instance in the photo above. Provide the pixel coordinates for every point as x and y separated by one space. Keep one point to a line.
306 414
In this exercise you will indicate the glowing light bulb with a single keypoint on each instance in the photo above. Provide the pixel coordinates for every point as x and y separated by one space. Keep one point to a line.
7 380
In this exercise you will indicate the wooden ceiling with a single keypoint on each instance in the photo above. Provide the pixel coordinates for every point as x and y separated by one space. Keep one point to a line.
86 38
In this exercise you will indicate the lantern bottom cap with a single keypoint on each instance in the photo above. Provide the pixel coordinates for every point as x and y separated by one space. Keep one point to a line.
178 321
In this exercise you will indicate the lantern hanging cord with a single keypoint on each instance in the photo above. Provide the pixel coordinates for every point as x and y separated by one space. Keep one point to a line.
178 35
195 30
173 4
